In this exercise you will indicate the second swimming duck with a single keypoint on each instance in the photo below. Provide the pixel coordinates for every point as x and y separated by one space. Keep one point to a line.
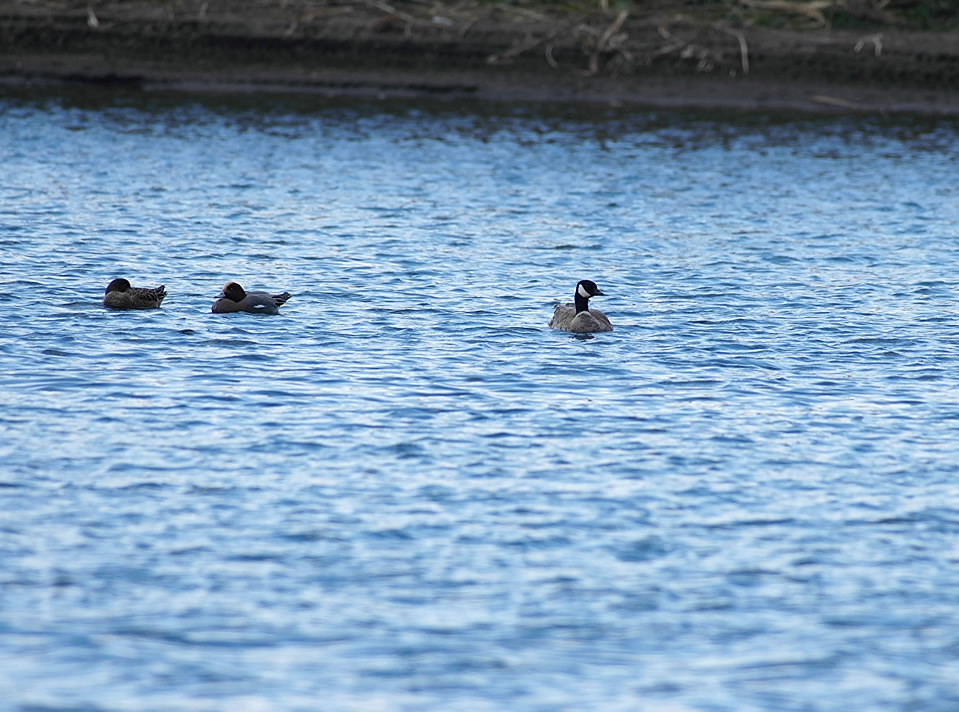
236 299
578 317
120 294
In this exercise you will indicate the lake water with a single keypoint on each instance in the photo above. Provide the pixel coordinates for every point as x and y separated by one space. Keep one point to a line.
407 493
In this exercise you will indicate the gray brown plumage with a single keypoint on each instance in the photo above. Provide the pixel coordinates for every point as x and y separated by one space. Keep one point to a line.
120 294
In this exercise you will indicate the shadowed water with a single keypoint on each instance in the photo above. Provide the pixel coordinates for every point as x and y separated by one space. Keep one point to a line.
405 492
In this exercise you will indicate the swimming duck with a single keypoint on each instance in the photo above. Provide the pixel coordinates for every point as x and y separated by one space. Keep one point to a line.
120 294
578 317
236 299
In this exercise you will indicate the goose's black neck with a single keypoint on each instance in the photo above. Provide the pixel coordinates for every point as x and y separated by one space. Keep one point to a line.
581 302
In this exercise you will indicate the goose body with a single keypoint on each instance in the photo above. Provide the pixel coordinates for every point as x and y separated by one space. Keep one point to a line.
236 299
120 294
577 316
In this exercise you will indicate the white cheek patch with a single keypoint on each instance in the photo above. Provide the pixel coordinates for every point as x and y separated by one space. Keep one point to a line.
582 291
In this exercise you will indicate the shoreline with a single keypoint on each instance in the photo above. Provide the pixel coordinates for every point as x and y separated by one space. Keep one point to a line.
367 51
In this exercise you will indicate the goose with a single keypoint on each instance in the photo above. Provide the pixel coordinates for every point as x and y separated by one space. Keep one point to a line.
120 294
578 317
236 299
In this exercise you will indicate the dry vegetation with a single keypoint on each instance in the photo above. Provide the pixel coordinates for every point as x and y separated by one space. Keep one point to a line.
879 42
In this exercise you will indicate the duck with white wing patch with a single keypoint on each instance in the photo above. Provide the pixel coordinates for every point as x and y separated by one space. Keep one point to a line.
236 299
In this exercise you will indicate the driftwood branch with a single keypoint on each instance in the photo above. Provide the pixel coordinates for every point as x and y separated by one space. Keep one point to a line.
876 41
812 9
605 43
743 47
518 49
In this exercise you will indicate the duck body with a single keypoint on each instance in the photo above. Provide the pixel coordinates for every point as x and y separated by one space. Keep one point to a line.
120 294
577 317
236 299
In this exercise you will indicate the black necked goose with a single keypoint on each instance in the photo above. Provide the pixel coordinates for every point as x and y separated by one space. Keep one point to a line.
578 317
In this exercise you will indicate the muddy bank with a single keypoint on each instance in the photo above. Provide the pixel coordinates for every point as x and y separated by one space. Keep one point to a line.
659 53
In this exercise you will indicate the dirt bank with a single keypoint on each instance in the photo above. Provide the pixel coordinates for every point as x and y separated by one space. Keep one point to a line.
655 52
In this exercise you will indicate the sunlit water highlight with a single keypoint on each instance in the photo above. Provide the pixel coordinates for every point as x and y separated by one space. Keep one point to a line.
405 492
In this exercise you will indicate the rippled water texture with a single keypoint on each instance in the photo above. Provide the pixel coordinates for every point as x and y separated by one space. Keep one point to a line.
405 492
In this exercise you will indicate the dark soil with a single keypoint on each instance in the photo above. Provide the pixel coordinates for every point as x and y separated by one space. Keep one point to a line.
745 54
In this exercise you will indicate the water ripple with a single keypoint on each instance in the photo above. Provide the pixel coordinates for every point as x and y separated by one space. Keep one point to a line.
406 492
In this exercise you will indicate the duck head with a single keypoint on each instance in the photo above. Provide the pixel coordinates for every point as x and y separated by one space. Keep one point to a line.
118 285
233 291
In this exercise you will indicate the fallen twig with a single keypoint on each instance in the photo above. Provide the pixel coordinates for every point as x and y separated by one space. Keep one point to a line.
604 42
743 48
876 44
836 101
399 15
549 57
516 50
812 9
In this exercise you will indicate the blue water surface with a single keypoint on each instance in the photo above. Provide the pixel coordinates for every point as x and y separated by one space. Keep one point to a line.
406 492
